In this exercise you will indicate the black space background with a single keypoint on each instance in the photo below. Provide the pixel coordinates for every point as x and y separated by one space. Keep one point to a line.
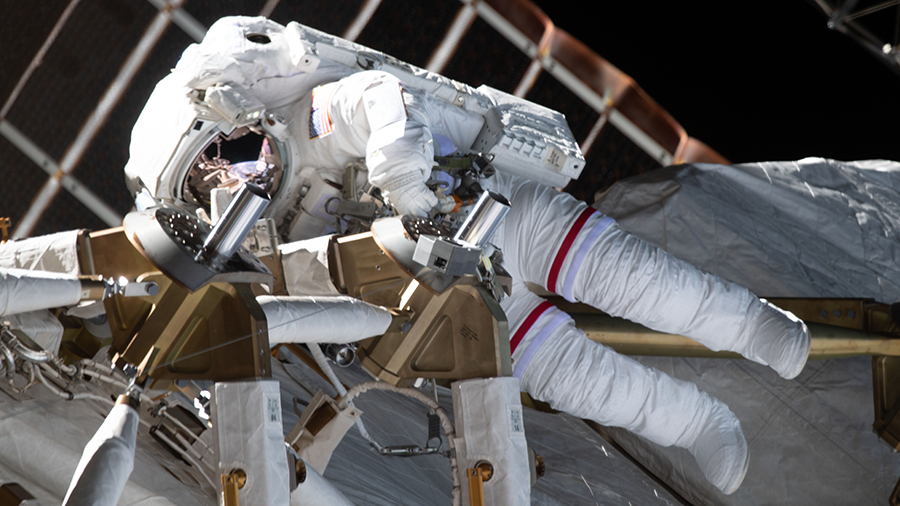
762 80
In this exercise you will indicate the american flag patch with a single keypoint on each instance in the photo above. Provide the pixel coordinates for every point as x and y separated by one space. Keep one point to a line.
320 123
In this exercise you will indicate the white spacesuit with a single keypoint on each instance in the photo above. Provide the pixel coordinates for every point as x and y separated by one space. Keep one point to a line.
548 238
551 239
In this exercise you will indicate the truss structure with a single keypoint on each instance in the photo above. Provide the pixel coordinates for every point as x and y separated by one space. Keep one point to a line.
874 24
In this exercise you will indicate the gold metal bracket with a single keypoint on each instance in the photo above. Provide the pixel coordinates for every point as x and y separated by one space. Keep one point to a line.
459 334
217 332
231 483
361 269
13 494
839 328
4 229
860 314
885 379
476 487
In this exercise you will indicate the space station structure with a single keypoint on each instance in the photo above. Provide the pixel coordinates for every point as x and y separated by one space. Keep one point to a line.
236 249
202 281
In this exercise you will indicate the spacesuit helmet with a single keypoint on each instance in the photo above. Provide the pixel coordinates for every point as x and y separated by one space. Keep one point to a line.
187 143
224 93
228 161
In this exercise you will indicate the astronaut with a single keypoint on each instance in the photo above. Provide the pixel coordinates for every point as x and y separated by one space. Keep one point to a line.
331 117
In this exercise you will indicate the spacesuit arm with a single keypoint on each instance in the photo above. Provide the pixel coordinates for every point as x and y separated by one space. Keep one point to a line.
365 116
399 150
401 169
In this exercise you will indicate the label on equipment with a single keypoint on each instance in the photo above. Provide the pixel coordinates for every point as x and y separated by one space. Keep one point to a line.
272 409
516 420
555 158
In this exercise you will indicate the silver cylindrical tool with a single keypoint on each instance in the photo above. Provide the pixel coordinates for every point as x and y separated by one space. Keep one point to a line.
237 220
484 219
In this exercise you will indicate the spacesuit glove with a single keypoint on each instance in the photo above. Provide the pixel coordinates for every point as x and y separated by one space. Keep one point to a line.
448 204
415 199
453 203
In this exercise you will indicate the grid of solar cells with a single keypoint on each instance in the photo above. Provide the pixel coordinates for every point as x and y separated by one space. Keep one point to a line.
102 166
550 92
67 213
27 29
329 16
612 157
485 57
409 29
77 70
17 186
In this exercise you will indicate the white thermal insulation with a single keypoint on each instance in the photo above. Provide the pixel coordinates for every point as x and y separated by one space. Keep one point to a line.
305 265
807 228
22 291
54 253
317 491
246 416
41 326
490 427
336 319
107 461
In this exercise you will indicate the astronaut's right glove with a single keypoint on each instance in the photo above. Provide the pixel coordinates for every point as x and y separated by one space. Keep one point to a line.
415 199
